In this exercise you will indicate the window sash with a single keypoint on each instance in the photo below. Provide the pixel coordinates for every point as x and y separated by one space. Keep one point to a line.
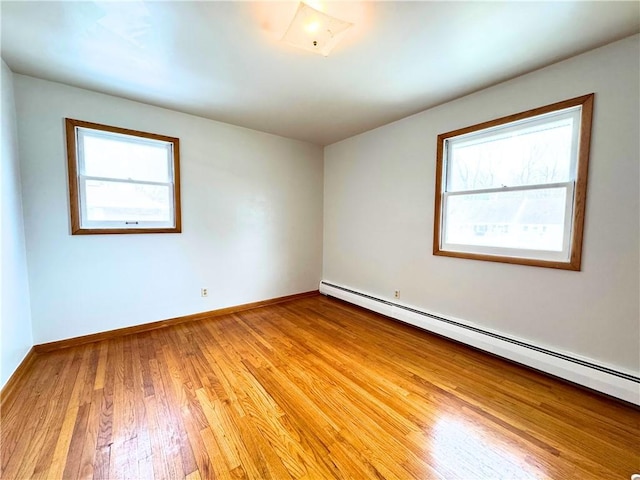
525 253
81 132
133 223
499 132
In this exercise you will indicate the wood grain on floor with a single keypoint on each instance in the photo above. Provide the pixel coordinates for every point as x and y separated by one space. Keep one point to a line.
310 389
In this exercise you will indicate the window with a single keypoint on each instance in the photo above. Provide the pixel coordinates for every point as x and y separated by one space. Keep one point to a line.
513 189
122 181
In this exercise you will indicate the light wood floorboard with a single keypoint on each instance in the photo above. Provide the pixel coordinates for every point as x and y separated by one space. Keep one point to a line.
310 389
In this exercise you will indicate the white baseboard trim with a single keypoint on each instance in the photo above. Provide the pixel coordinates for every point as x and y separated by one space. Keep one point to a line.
583 371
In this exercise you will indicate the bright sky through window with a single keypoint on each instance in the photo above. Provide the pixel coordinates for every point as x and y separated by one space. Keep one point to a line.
122 181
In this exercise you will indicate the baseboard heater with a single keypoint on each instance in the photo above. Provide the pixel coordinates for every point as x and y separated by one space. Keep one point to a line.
585 372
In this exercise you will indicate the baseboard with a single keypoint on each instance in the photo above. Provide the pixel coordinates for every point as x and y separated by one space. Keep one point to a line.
145 327
7 392
582 371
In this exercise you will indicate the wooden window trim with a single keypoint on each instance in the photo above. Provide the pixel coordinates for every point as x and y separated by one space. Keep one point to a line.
574 263
74 194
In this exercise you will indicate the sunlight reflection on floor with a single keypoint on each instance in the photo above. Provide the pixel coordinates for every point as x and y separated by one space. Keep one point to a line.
464 451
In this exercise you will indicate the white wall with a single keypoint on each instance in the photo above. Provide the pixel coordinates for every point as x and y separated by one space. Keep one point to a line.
15 313
378 217
251 219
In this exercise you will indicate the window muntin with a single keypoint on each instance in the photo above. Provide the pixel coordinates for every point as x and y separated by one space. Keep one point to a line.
122 181
513 189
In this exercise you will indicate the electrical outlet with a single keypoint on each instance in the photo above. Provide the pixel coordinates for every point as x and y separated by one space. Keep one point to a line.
396 294
204 292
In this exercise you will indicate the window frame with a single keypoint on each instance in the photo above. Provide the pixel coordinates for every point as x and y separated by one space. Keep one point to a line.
75 185
576 224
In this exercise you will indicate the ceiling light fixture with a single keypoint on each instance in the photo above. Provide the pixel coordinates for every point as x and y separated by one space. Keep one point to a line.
315 31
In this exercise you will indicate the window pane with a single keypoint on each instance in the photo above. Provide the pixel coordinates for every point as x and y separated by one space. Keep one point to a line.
526 155
124 158
523 219
121 202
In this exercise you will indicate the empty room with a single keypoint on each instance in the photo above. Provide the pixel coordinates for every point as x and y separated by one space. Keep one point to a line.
320 240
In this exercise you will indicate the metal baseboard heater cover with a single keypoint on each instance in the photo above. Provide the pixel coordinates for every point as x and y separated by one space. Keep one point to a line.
610 381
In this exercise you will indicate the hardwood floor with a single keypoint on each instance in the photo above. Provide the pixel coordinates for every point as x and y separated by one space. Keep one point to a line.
310 389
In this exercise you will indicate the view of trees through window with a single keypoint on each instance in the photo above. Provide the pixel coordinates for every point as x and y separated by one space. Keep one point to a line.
527 157
508 187
508 170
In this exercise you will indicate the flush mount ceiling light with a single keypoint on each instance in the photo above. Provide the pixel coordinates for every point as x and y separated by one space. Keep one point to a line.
315 31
